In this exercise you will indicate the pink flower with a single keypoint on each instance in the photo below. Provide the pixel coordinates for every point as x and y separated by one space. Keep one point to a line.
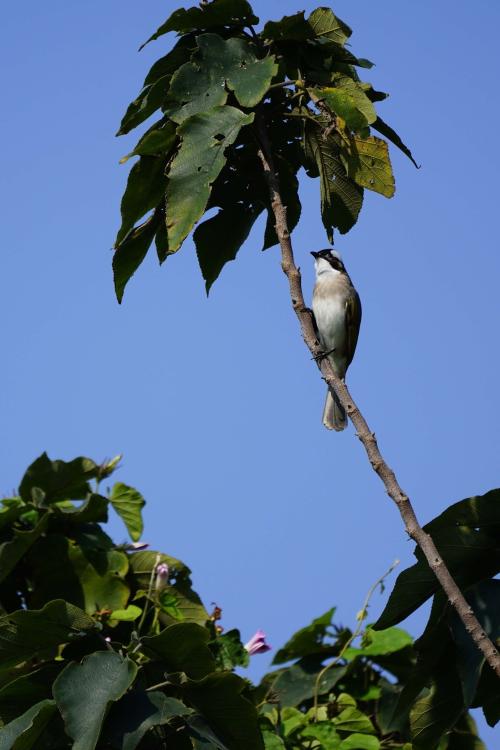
162 574
257 644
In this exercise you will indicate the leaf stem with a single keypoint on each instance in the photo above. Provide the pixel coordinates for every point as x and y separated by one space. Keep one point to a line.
365 435
150 591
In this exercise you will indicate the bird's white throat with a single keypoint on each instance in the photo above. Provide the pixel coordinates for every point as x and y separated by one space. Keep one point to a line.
324 267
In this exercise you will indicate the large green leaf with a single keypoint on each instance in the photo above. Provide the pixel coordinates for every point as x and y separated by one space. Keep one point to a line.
138 712
326 25
18 695
380 643
128 503
223 699
187 601
348 100
290 28
360 742
368 164
437 712
132 251
93 510
485 601
145 190
23 733
26 634
159 140
218 239
341 198
209 15
182 648
230 651
299 682
101 577
13 550
466 535
205 137
149 100
59 480
201 84
325 733
83 693
307 641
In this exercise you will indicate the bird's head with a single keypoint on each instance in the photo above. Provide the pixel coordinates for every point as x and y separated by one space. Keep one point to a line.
327 261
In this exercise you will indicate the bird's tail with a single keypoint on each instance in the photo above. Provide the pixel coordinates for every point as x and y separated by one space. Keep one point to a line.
334 416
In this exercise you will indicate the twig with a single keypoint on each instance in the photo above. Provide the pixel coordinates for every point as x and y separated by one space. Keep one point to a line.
353 636
367 437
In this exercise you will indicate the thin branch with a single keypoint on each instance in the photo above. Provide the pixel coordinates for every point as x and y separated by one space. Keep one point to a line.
367 437
359 627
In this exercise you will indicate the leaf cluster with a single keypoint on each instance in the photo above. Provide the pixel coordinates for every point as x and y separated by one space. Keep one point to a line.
213 93
96 651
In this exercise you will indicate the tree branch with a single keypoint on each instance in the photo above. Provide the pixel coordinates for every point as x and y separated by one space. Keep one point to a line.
367 437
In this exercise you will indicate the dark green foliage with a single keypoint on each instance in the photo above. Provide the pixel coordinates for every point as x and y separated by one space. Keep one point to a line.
98 651
218 89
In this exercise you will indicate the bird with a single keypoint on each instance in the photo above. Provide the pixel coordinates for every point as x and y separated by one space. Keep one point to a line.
337 312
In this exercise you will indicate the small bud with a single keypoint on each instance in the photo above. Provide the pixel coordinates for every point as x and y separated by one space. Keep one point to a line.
162 574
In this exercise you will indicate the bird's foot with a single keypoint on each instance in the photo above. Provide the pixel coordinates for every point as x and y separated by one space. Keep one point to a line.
322 355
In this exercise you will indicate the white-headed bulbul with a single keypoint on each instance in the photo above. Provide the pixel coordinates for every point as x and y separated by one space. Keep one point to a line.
337 310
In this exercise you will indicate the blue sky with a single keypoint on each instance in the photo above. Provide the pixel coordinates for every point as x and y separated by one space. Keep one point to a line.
215 403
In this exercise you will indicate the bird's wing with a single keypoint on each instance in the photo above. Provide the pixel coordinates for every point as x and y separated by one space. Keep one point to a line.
352 324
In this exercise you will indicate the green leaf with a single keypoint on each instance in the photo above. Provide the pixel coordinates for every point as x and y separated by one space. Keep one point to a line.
216 13
484 599
18 695
464 735
466 536
218 239
325 733
24 732
129 614
200 85
393 137
326 25
437 712
182 648
223 699
27 634
290 28
205 137
298 683
101 578
12 511
380 643
271 740
128 503
138 712
188 601
145 190
230 651
348 100
368 164
159 140
308 640
149 100
132 251
93 510
360 742
353 720
59 480
341 198
203 735
84 691
172 61
12 551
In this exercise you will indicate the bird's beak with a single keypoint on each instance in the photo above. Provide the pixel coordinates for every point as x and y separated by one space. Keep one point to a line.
314 255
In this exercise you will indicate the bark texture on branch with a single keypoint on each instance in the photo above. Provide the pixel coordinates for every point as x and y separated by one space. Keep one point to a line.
367 437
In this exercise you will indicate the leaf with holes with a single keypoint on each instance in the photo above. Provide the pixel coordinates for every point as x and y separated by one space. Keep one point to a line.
205 137
219 63
368 164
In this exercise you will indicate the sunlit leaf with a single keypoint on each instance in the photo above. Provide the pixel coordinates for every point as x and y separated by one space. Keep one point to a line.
128 503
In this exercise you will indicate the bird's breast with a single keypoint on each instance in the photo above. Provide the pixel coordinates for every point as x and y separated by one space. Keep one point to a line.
329 310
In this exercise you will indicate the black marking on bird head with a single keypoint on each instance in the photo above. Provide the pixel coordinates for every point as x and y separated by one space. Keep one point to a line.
332 256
